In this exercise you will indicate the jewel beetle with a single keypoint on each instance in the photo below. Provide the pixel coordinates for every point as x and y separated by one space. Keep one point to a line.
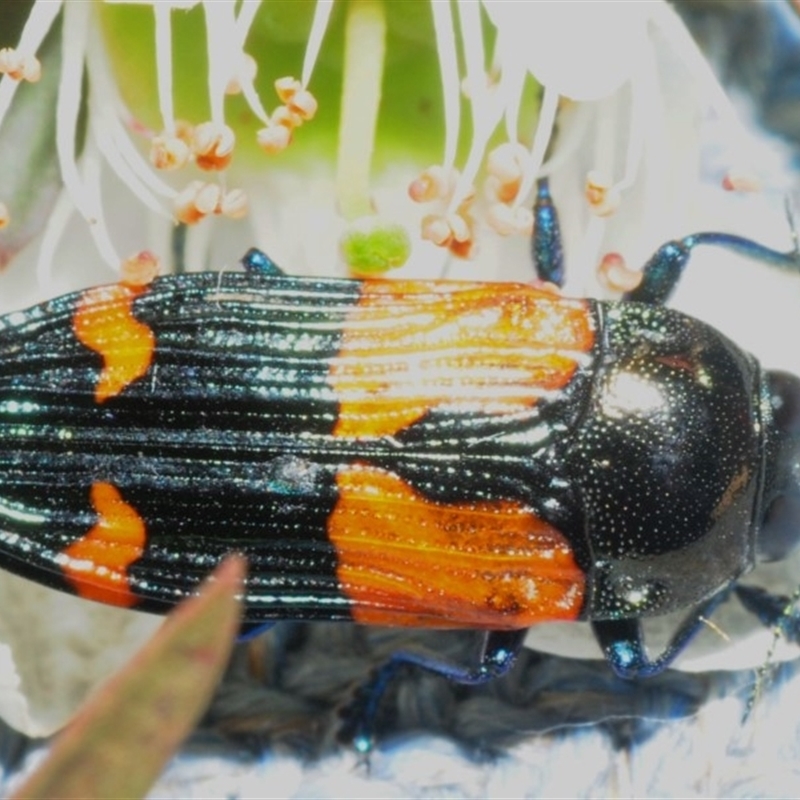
416 453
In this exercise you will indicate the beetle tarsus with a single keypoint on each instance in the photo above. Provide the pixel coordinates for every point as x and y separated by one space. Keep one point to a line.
250 630
498 654
258 262
622 641
772 610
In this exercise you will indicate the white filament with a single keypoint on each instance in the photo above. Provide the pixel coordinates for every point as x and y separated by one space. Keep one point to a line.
39 22
544 132
486 109
223 40
163 34
322 14
451 88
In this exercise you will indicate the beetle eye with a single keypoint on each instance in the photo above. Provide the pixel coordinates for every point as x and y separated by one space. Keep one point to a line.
784 391
780 531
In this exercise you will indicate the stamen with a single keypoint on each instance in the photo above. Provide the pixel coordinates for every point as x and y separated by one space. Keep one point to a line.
245 80
486 109
436 229
40 20
234 204
213 145
512 83
434 183
603 198
544 132
614 274
598 188
247 14
299 104
459 227
86 196
197 201
506 165
18 66
168 152
140 269
507 162
274 138
304 104
322 13
97 225
455 231
5 217
69 100
163 36
507 220
286 88
126 162
105 111
243 76
448 66
242 79
283 115
51 238
223 39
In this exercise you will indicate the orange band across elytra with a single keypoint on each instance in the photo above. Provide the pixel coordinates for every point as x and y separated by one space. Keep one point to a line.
405 560
104 322
409 347
97 564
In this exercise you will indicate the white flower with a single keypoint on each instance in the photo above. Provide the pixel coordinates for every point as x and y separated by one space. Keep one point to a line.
609 73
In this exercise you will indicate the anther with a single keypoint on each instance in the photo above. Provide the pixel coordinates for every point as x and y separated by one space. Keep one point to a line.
168 152
20 67
140 269
213 145
614 274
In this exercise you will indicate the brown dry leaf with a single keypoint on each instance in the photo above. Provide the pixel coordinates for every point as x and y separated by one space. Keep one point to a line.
119 742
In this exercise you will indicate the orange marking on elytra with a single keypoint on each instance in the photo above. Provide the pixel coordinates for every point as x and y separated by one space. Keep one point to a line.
411 346
104 322
97 565
406 560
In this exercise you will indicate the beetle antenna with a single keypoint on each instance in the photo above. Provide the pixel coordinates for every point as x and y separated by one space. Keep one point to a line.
661 273
791 218
780 628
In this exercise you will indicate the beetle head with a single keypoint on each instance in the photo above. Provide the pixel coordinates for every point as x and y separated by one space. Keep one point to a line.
780 525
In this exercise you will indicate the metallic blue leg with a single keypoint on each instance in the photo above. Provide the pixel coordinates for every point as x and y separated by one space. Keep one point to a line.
774 611
249 630
622 641
258 262
662 272
500 649
548 254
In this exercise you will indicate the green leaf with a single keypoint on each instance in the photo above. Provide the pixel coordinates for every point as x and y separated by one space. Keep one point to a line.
119 742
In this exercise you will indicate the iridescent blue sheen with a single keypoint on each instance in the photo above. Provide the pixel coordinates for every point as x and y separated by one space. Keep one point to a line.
548 255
